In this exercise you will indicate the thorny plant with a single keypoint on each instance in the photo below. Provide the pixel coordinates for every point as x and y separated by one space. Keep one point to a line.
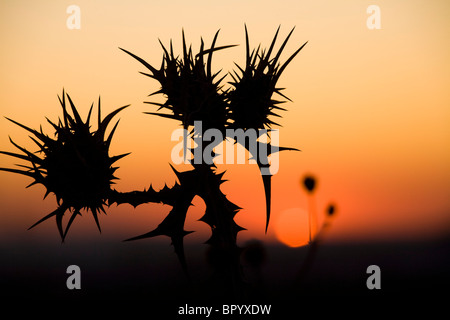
78 169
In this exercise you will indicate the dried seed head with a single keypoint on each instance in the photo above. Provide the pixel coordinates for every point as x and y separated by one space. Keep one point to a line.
331 210
309 182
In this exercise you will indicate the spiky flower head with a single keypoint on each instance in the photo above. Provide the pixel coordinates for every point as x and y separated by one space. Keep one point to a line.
251 102
75 165
192 91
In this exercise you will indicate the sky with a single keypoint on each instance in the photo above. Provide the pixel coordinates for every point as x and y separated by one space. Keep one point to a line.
370 111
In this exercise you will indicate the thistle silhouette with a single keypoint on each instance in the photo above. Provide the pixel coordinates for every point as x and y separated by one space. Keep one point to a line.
251 101
77 168
309 182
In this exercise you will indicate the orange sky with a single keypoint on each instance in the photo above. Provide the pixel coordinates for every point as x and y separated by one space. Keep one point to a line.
370 108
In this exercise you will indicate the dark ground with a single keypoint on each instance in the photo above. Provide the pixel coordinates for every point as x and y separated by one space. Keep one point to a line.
148 273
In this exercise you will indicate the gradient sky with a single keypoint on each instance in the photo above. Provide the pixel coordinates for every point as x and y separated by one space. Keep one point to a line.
370 110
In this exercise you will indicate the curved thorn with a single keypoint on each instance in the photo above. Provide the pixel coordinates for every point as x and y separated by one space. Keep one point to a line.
145 63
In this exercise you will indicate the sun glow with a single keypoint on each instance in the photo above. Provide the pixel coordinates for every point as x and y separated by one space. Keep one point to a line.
291 227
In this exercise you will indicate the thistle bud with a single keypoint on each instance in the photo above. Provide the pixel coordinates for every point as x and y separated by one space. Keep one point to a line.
331 210
309 183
